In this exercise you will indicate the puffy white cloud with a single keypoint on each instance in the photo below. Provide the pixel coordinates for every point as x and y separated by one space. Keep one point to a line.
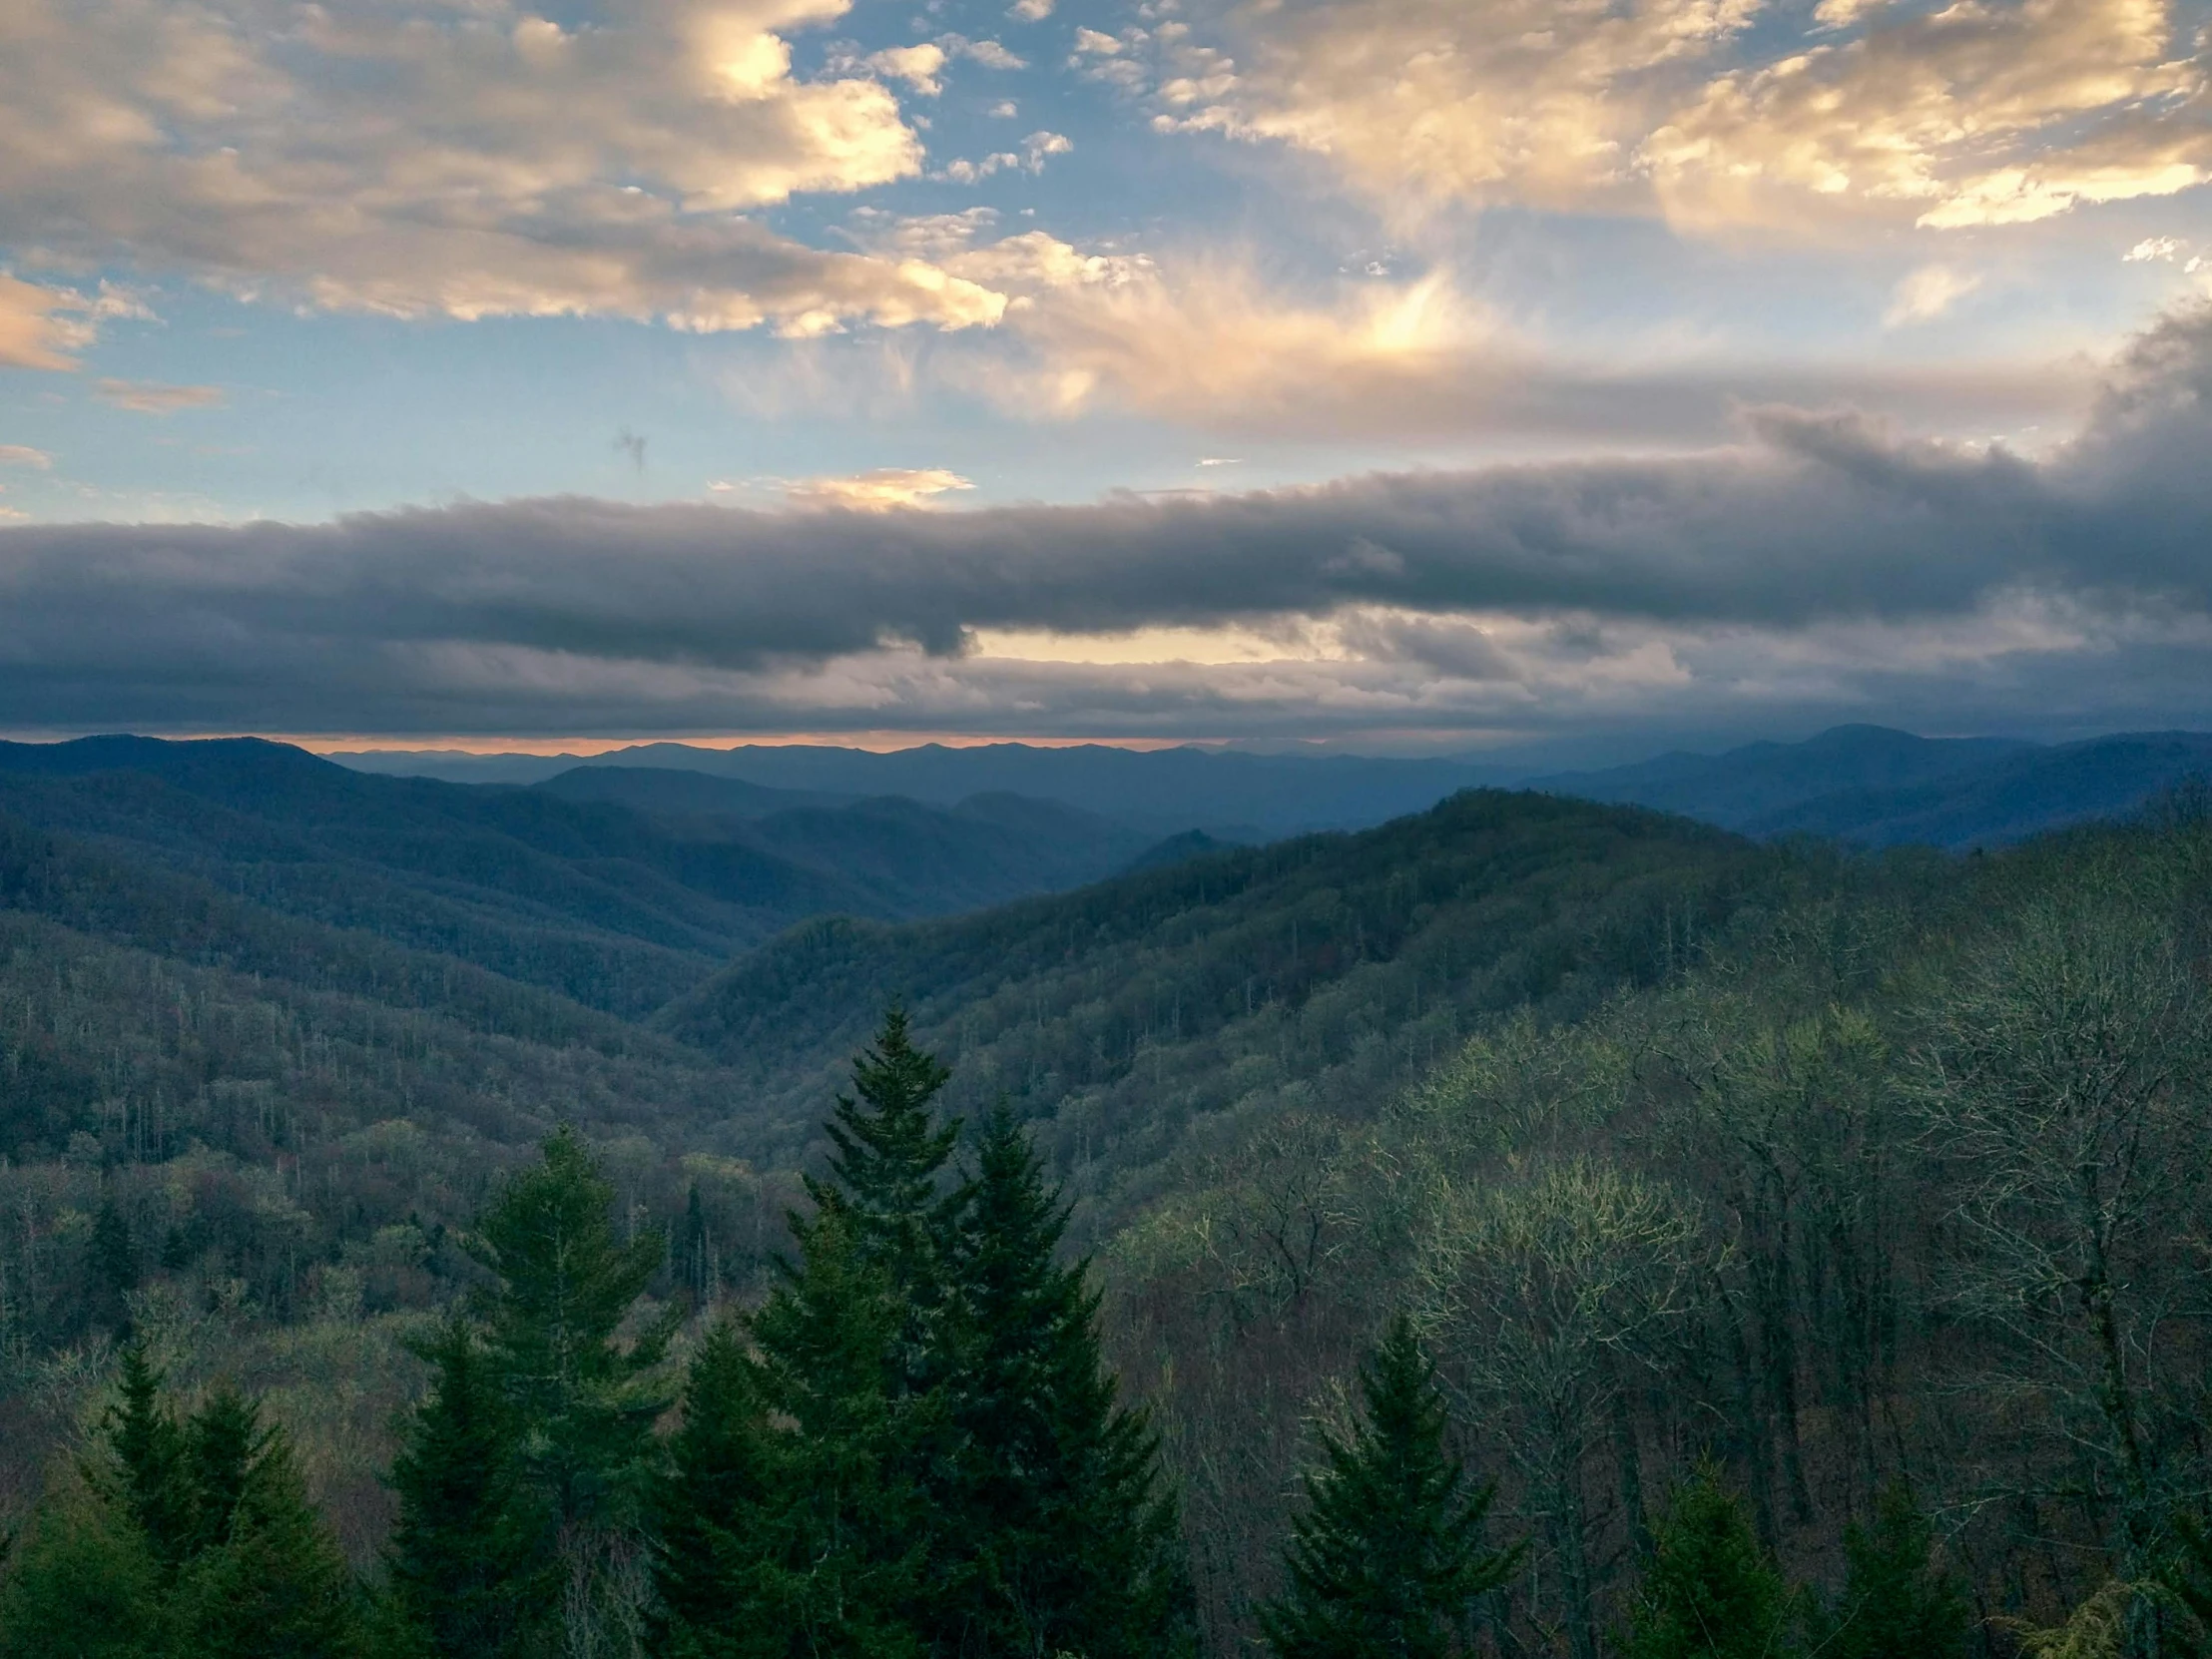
421 157
41 324
1975 111
22 454
1984 112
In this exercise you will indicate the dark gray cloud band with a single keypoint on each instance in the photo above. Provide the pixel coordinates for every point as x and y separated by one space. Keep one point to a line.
569 614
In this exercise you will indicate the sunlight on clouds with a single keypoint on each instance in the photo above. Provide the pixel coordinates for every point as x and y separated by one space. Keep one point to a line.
1984 112
418 159
881 490
1202 646
42 324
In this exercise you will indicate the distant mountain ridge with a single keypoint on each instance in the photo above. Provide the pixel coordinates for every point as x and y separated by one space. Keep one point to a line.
1157 791
615 907
1868 785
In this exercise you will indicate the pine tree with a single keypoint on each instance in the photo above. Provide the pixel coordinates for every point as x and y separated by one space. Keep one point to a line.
1389 1555
714 1565
885 1175
113 1259
271 1583
1066 1540
150 1478
81 1584
795 1521
1711 1593
1894 1603
468 1562
2187 1579
584 1400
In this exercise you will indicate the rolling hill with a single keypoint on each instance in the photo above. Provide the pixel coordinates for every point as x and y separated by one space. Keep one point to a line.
1323 968
1870 787
615 905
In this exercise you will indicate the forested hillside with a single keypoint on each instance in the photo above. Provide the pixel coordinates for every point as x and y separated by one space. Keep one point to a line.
616 904
1828 1176
1321 971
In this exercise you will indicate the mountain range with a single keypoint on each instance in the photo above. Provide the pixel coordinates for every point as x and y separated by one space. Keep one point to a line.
1868 786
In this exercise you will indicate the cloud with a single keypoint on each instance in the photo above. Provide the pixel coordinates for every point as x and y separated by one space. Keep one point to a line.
1926 293
419 159
150 397
22 454
41 324
1967 115
917 66
1030 11
1034 149
1823 563
1210 344
1716 113
881 490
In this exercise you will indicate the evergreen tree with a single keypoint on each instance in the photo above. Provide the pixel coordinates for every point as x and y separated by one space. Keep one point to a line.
1066 1540
223 1441
81 1584
584 1401
1894 1604
113 1263
1710 1592
795 1522
886 1172
150 1479
272 1584
467 1565
696 1259
2187 1580
1388 1554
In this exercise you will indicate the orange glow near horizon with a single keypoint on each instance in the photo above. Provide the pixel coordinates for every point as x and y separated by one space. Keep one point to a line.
875 741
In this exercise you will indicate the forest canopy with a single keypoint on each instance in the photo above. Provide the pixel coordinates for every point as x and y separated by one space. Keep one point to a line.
1706 1226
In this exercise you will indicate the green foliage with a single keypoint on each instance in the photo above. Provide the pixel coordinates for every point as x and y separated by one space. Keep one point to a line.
273 1585
1387 1557
1710 1591
81 1585
796 1523
468 1560
552 1334
151 1478
1896 1603
1065 1538
195 1540
885 1175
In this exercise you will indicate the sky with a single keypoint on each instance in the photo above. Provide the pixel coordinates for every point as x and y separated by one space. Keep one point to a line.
1395 375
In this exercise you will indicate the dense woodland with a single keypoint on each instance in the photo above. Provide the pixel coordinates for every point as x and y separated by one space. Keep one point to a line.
1728 1238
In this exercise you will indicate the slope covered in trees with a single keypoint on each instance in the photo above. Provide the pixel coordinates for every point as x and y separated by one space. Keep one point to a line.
1322 970
1900 1187
1812 1236
617 904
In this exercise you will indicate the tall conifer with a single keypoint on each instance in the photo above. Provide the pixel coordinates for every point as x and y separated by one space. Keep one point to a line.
1710 1591
887 1173
268 1581
585 1401
1389 1555
149 1476
1896 1603
795 1522
468 1562
1066 1540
